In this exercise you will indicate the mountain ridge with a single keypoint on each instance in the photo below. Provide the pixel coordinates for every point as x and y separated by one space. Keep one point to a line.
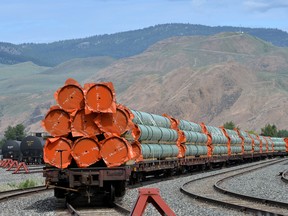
121 45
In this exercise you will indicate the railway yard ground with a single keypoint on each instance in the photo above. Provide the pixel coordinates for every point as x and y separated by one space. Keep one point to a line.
264 183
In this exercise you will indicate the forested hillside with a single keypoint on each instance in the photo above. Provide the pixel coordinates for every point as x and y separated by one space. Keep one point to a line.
120 45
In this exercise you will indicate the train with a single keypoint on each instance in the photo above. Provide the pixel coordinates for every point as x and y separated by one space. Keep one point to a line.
29 150
97 146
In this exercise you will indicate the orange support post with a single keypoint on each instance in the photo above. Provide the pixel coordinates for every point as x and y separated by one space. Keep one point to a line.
261 143
229 140
242 140
150 195
272 144
253 142
286 141
209 139
22 164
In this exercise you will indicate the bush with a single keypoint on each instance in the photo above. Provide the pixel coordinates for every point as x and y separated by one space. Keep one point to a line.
27 184
23 185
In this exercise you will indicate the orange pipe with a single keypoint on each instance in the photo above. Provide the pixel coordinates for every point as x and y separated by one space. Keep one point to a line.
57 152
70 97
99 97
86 151
116 123
83 124
57 122
116 150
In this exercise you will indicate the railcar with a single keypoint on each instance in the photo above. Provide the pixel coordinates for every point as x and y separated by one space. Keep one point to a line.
11 150
164 151
32 149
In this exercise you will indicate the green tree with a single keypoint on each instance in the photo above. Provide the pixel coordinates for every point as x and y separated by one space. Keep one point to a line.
2 141
13 133
282 133
230 125
269 130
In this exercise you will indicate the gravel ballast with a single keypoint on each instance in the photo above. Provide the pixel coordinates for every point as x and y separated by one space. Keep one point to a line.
44 203
263 183
36 204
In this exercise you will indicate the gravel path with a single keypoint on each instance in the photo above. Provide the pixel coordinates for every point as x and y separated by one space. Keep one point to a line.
44 204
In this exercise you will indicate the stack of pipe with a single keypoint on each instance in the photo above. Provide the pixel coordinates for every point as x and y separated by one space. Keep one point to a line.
196 142
86 125
219 141
279 144
235 144
155 137
267 144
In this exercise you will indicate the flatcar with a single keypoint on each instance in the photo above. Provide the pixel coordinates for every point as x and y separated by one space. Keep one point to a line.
108 145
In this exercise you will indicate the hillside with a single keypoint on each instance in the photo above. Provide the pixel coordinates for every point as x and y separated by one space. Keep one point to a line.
207 79
211 79
121 45
26 89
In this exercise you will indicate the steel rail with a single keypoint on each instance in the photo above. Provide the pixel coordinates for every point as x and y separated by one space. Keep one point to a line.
117 208
5 195
284 176
247 197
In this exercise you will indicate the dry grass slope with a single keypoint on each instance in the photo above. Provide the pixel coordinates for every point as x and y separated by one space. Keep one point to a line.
211 79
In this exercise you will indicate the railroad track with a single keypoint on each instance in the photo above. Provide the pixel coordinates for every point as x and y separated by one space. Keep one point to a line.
117 210
284 176
11 194
64 208
209 189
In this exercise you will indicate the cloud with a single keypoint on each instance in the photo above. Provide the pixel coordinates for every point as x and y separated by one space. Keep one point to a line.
265 5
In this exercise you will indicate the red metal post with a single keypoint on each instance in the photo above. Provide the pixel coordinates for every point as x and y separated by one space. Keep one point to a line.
13 164
150 195
7 163
22 164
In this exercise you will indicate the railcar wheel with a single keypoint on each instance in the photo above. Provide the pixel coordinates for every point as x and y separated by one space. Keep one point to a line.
109 197
59 193
120 188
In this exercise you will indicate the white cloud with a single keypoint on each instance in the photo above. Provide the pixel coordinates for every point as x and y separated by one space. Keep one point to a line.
265 5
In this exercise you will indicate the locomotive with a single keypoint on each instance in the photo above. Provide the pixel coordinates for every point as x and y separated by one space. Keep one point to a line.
99 146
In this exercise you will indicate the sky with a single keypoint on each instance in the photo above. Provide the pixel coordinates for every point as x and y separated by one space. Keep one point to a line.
45 21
